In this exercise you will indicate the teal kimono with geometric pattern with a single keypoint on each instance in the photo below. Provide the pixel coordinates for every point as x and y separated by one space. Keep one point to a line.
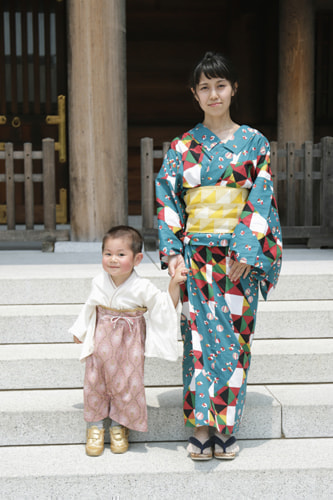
218 316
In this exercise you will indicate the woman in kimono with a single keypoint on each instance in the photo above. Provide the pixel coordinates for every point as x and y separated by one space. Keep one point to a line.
217 213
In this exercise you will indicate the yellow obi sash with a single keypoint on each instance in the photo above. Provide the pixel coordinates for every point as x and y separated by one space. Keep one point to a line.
214 209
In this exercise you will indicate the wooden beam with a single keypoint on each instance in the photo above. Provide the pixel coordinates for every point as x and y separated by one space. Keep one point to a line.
97 117
296 72
49 195
28 187
34 235
10 185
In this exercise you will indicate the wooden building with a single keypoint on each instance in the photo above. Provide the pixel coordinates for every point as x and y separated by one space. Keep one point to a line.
123 68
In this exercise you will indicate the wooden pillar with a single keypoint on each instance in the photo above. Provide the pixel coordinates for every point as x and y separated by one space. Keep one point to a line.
296 72
97 117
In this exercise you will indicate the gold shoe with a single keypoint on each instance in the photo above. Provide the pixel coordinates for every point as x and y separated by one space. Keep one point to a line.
95 441
119 439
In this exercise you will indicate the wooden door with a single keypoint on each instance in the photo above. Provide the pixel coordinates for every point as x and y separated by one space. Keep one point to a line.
33 73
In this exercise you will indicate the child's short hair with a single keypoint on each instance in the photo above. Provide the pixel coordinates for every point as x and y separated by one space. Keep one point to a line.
136 240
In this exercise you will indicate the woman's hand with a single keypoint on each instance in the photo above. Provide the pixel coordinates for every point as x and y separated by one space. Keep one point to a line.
76 340
175 261
180 275
237 270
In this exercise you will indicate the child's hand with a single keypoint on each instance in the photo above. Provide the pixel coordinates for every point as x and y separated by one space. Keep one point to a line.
180 275
76 340
174 262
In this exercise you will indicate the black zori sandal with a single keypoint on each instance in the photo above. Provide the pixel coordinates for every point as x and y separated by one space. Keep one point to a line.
202 447
224 455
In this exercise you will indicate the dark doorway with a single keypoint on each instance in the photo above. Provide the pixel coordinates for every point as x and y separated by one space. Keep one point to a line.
165 39
33 73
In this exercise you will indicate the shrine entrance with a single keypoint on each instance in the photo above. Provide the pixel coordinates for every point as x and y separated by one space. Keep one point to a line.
33 89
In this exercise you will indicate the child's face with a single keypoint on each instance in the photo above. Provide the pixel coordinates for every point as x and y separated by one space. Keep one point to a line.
118 259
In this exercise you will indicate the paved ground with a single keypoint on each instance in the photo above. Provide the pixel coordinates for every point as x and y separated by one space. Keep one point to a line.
311 261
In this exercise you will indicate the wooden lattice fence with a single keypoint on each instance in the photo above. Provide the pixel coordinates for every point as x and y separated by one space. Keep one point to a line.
303 180
49 232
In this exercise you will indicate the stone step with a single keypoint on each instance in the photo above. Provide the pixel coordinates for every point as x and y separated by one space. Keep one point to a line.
75 290
281 469
67 284
29 324
70 283
20 324
56 417
50 366
295 319
284 361
307 410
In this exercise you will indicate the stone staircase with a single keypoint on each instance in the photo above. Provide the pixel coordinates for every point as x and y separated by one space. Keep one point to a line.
286 434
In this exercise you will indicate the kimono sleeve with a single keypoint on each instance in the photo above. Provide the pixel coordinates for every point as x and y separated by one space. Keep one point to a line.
171 214
162 322
257 238
85 319
84 326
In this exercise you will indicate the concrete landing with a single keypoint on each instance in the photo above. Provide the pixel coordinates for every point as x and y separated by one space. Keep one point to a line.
267 469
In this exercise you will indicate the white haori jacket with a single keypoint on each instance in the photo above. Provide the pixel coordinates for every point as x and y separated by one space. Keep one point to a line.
162 319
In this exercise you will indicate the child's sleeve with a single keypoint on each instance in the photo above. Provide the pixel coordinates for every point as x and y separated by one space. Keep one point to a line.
84 326
162 321
84 319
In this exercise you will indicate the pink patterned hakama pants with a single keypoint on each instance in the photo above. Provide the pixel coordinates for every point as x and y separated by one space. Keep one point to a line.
114 375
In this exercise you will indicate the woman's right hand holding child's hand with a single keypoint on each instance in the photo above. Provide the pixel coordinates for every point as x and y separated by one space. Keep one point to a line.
177 268
174 262
180 274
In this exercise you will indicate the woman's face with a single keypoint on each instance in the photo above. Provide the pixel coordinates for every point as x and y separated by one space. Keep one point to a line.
214 95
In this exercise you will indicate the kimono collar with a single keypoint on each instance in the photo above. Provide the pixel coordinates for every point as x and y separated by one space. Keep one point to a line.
209 140
131 277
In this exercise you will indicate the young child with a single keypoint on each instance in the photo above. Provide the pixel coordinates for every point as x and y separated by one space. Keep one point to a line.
112 330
